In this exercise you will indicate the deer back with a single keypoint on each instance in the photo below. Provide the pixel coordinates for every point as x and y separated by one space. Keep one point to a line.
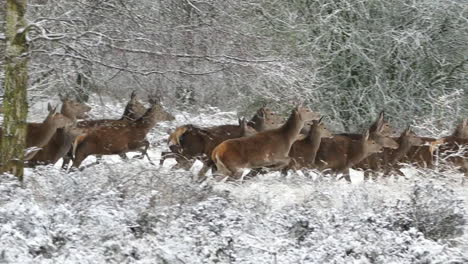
265 148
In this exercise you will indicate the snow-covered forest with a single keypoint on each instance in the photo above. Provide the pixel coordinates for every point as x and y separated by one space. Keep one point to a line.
211 62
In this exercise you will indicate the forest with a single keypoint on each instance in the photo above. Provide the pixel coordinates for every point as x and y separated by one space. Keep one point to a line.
255 131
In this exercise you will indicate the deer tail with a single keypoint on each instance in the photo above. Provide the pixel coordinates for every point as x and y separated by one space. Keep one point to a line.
220 165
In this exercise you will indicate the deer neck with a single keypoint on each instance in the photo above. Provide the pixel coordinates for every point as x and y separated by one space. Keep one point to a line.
314 140
149 119
399 153
357 154
68 113
292 127
257 123
45 132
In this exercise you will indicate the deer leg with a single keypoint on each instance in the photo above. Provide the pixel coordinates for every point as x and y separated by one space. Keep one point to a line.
345 175
281 163
123 156
80 155
66 160
201 176
144 143
165 155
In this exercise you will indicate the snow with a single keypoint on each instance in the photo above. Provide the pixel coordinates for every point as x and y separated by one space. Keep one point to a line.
133 212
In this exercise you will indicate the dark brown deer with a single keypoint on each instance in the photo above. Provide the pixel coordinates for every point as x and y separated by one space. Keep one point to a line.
39 134
190 142
303 151
117 138
265 149
62 140
340 153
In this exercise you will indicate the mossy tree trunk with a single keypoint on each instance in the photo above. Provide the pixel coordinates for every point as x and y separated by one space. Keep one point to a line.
16 81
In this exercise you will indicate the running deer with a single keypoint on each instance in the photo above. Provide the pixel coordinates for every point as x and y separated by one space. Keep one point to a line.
267 148
340 153
303 151
39 134
133 111
190 142
117 138
62 140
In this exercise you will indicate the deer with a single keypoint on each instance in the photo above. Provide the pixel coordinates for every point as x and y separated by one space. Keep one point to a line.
265 149
424 155
454 148
39 134
62 140
380 131
115 138
303 151
265 119
340 153
406 141
133 111
190 142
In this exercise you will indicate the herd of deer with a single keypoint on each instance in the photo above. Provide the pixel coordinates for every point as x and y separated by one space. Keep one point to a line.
303 141
266 141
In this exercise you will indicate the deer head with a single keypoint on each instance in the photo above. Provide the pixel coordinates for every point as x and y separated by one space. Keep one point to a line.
73 109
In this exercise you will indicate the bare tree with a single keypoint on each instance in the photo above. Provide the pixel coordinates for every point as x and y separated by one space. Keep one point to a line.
16 82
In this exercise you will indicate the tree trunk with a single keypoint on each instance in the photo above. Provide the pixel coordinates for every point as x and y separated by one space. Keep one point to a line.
16 81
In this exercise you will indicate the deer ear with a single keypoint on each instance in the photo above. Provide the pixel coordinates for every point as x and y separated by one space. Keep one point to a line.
380 120
49 107
242 122
133 94
365 136
61 97
320 120
407 130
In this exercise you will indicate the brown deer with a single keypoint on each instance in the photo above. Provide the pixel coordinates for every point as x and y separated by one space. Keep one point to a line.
390 157
39 134
448 148
265 119
116 138
303 151
62 140
133 111
267 148
340 153
379 131
189 142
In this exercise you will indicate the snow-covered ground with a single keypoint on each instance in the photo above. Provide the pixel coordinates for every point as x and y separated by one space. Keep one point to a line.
134 212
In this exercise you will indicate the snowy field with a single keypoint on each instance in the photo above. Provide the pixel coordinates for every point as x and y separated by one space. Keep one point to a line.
134 212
